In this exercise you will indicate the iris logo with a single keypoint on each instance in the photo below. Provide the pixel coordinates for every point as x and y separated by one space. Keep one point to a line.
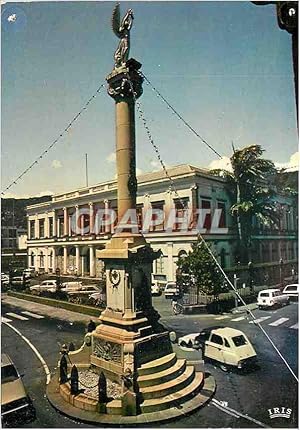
281 412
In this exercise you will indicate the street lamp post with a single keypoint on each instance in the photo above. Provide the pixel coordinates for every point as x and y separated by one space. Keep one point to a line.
250 271
280 271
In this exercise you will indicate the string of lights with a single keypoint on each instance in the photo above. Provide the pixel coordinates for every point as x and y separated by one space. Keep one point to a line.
37 160
179 116
141 115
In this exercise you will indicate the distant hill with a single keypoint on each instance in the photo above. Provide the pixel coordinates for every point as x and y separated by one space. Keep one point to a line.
13 210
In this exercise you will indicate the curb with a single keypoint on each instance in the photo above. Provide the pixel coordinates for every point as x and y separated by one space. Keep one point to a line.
204 395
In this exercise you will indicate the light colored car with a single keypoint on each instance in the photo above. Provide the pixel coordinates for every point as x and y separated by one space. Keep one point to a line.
30 273
292 291
48 285
228 346
155 289
171 290
271 297
4 279
14 400
71 286
19 280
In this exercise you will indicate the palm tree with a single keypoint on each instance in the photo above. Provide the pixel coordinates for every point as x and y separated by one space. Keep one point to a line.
250 185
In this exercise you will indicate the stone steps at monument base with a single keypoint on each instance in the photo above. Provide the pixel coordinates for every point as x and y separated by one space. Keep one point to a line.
174 399
157 365
169 387
163 376
171 400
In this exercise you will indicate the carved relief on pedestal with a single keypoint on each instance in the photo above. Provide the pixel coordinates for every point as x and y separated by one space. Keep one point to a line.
108 351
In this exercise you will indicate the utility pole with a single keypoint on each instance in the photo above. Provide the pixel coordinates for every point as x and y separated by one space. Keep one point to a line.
235 283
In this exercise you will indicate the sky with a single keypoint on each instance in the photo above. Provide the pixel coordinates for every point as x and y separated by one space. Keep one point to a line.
226 67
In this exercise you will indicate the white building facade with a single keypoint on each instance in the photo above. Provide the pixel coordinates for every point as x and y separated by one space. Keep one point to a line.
53 244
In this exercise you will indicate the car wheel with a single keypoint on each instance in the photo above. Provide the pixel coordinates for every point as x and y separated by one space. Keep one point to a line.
224 367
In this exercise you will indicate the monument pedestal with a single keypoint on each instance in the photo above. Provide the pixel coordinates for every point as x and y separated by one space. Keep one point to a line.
129 334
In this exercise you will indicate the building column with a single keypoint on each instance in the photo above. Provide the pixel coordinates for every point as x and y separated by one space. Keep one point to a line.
46 260
65 259
58 227
29 251
28 228
169 204
47 231
108 228
77 219
54 223
36 227
92 260
194 205
53 260
82 265
66 228
91 205
77 260
170 268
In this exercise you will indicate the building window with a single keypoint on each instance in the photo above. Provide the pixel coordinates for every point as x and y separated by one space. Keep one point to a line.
41 259
139 216
181 206
158 215
32 230
206 204
41 228
50 227
32 259
222 220
61 226
51 259
159 263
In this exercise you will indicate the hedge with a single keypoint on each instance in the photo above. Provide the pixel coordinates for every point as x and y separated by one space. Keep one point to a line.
82 309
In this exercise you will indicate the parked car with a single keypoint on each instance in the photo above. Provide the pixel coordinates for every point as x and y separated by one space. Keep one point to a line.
48 285
271 297
4 279
19 281
228 346
292 291
171 290
155 289
30 273
81 296
15 402
97 299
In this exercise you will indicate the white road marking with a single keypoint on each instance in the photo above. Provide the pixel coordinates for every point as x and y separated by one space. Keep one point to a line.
259 320
46 368
278 322
238 319
4 320
295 326
235 413
18 317
223 317
30 314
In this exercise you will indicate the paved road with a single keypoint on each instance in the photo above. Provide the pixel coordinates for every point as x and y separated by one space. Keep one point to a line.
250 394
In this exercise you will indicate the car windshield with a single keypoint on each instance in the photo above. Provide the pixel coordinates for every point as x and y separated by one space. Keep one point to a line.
239 340
8 374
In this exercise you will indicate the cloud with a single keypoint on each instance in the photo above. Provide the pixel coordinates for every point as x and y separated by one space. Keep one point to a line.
56 164
111 158
155 164
291 165
27 196
12 18
221 163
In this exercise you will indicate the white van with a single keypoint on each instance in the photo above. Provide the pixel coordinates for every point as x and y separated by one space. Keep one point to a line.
292 291
271 297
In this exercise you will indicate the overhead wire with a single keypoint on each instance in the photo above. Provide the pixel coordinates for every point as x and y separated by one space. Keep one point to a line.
141 115
37 160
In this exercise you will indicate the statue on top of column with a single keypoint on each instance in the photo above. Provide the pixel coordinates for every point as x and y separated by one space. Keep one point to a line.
122 32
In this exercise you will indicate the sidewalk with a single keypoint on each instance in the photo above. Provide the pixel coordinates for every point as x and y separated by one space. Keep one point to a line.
243 309
46 310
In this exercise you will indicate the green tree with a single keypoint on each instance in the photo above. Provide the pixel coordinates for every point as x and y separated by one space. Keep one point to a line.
251 183
198 271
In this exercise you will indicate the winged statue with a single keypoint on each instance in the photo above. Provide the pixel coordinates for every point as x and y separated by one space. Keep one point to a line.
122 31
